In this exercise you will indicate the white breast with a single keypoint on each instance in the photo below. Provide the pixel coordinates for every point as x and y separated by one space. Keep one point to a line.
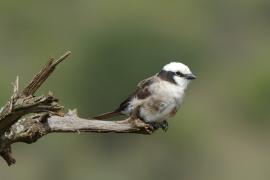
168 90
165 98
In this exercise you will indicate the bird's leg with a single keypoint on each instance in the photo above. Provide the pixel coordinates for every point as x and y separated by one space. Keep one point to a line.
164 125
154 125
135 117
135 113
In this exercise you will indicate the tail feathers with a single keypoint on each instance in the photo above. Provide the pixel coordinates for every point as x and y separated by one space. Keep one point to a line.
108 115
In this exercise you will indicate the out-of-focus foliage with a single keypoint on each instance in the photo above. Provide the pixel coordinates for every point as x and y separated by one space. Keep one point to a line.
222 130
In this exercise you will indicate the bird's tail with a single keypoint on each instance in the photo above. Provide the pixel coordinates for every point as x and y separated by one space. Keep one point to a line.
108 115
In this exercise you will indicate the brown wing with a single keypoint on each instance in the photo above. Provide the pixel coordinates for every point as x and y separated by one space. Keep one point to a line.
141 92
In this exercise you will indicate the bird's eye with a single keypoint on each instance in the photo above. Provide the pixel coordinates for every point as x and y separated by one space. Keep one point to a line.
178 73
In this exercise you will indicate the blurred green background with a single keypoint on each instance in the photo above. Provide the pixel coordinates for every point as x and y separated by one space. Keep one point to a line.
221 131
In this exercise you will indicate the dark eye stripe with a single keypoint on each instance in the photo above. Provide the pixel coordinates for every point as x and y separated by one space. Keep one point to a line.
178 73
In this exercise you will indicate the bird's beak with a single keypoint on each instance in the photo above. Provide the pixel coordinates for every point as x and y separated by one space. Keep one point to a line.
190 76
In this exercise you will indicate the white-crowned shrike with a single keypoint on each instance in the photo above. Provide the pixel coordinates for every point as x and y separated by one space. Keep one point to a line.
156 98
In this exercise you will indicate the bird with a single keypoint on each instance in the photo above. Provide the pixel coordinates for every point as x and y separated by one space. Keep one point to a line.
157 98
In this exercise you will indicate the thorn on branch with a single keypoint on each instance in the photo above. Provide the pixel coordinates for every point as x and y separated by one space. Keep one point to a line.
62 58
16 86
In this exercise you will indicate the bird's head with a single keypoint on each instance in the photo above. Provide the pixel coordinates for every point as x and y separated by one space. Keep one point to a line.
177 73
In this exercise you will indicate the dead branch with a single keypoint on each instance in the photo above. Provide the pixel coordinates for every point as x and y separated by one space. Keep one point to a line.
26 118
42 76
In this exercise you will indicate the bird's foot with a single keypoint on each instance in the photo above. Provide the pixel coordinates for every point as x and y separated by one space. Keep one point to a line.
145 127
156 125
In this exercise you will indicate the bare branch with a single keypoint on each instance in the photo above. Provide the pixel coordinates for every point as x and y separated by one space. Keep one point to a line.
76 124
32 128
26 118
7 115
42 76
6 154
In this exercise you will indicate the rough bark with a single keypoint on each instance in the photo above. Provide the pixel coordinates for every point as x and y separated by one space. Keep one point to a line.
26 118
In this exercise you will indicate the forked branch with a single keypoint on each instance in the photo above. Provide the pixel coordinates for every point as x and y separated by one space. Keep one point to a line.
26 118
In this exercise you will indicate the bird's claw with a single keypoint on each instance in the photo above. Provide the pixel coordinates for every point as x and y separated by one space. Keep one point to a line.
156 125
149 129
